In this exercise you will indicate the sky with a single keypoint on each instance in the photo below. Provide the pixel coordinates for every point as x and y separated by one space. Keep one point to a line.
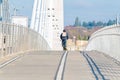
86 10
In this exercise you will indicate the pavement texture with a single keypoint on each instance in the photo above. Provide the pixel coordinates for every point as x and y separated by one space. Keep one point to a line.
109 67
77 67
44 65
32 66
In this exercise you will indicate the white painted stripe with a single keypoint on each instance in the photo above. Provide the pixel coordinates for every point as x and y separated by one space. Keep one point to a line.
6 63
61 67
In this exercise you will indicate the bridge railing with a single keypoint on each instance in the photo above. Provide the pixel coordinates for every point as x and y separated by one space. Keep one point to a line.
106 40
16 39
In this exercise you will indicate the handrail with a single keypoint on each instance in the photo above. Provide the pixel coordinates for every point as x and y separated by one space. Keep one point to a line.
106 40
104 29
16 38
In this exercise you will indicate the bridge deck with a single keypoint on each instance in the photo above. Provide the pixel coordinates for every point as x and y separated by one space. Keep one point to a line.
77 68
57 65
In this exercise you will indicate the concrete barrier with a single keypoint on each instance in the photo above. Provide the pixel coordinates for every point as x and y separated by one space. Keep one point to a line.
106 40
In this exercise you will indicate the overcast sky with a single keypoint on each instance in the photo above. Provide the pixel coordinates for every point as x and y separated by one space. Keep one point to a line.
86 10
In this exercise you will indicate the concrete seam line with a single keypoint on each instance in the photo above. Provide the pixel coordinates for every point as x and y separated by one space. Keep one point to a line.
8 62
90 64
61 67
64 66
97 68
58 66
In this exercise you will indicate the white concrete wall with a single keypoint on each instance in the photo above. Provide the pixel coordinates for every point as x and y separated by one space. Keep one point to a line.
106 40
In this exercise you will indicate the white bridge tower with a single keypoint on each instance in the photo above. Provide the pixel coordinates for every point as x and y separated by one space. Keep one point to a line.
47 19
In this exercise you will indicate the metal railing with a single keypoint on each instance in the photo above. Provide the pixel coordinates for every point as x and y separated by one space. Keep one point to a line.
16 38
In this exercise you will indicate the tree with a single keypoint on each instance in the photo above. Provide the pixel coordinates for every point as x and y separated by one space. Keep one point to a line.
99 23
111 22
77 23
85 24
93 23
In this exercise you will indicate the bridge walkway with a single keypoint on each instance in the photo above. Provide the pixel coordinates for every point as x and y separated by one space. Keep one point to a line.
60 65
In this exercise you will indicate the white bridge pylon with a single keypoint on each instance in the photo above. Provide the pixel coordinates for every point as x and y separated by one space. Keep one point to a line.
47 19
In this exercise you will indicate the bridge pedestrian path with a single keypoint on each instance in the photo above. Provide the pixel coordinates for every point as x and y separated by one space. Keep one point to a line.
61 65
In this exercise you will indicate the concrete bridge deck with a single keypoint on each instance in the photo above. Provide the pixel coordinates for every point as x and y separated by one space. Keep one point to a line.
59 65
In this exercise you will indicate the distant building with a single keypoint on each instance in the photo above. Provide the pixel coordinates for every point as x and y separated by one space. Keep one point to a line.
47 19
20 20
4 11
